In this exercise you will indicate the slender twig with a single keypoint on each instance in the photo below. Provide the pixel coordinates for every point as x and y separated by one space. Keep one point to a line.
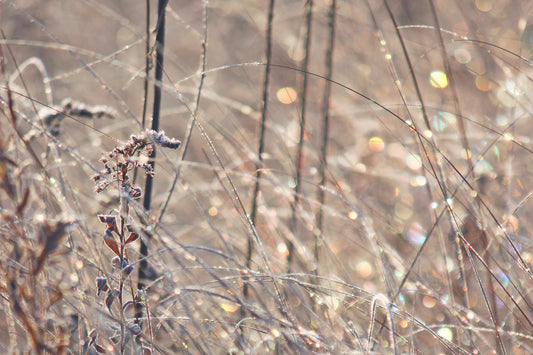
299 154
160 45
451 84
259 161
325 127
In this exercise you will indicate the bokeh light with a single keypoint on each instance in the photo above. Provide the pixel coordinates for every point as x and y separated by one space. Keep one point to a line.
445 333
364 269
287 95
416 234
376 144
438 79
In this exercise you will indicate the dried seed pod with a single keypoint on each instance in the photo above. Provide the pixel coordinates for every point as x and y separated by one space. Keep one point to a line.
101 186
138 298
162 140
136 193
128 270
124 264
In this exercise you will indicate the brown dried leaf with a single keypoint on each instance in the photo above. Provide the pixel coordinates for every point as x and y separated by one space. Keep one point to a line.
99 348
101 285
111 242
24 202
92 336
110 220
127 270
132 237
111 295
130 302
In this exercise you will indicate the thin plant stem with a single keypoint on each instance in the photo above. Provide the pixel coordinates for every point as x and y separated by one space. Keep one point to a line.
421 148
299 154
160 45
325 128
465 143
124 212
436 168
451 84
261 147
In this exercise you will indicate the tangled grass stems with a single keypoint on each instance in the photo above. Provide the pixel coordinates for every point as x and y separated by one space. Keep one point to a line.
29 246
413 195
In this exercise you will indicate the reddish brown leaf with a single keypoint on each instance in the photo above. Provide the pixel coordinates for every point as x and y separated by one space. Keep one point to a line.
99 348
132 237
111 242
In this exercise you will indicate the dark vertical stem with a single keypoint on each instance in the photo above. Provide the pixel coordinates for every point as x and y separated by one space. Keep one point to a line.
160 45
259 162
299 153
325 126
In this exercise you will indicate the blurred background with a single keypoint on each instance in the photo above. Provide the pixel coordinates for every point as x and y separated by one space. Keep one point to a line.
417 199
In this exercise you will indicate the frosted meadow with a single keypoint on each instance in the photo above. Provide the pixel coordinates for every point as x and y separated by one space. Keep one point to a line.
266 177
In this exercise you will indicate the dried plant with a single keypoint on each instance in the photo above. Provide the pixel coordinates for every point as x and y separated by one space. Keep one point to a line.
120 229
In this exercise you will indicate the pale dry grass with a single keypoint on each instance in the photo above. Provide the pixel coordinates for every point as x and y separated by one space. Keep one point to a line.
388 212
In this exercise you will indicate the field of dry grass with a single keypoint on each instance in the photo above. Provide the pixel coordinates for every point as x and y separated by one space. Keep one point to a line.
353 177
